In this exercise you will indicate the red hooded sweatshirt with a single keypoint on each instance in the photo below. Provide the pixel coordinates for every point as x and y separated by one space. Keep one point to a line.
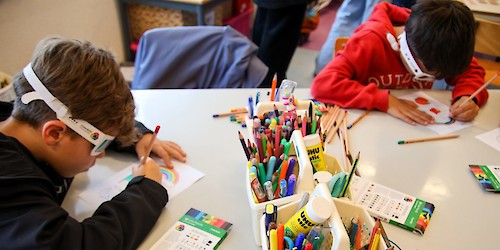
360 75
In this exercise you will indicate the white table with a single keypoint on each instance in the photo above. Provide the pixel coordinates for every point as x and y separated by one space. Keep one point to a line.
438 172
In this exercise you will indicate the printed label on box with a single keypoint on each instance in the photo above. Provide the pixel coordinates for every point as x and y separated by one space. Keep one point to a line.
194 230
392 206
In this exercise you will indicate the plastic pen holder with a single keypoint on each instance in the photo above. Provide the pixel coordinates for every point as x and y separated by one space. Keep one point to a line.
342 208
303 184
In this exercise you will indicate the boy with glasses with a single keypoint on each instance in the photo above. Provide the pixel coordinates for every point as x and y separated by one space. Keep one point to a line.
72 102
401 49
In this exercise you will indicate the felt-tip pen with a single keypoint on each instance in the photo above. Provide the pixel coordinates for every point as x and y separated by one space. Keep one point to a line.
268 188
291 185
283 188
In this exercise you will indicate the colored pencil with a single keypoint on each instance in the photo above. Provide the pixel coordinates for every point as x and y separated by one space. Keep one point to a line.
349 178
480 89
334 131
358 119
244 145
434 138
230 113
150 145
273 87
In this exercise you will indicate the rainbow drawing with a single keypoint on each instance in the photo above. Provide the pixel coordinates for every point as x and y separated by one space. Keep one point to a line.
171 176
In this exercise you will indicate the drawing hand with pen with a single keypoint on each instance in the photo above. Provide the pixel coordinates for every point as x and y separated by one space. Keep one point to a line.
149 169
408 111
164 149
464 109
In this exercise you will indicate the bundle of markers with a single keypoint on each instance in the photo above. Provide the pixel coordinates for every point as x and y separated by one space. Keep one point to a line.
270 165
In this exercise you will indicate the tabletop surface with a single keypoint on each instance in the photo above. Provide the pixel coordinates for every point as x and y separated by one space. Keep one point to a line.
437 172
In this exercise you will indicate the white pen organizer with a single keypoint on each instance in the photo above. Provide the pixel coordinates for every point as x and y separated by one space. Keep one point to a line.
333 233
256 192
277 146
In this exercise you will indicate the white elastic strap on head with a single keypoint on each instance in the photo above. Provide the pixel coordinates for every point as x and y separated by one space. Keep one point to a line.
43 93
410 60
82 127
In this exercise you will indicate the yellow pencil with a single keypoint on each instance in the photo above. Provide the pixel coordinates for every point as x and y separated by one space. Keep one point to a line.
434 138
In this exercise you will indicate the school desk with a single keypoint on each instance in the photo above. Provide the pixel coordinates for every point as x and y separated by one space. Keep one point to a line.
466 217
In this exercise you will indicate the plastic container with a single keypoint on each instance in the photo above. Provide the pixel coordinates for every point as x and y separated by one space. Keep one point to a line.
339 239
304 184
305 180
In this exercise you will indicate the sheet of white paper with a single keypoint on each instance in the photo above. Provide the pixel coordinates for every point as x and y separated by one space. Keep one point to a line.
492 138
174 180
440 112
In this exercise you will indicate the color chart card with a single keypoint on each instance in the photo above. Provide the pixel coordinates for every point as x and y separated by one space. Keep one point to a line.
174 180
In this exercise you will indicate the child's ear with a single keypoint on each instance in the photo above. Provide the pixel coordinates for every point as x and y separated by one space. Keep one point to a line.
53 131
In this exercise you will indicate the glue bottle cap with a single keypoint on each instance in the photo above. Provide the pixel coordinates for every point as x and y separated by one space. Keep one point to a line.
318 209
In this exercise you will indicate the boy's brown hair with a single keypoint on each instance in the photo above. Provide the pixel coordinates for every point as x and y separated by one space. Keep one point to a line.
84 78
442 34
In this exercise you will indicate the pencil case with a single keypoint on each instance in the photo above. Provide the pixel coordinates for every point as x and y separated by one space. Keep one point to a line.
338 238
303 184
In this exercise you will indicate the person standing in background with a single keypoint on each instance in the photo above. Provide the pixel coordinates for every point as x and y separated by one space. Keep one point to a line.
276 30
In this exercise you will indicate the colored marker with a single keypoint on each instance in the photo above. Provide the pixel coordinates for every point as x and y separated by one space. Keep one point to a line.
299 240
268 188
291 185
273 239
283 188
270 167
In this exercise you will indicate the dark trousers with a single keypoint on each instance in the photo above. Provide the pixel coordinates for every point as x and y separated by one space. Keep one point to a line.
277 33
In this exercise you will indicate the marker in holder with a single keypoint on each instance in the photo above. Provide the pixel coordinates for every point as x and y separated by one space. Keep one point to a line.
304 183
338 238
303 178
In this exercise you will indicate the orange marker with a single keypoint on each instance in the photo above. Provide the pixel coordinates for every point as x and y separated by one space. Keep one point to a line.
282 176
281 235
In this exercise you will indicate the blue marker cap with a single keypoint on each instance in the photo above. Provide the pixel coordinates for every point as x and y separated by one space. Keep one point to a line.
299 240
283 188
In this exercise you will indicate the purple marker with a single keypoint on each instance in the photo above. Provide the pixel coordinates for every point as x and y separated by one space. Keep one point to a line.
291 185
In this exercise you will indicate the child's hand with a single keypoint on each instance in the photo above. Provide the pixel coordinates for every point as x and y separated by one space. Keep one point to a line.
407 111
149 169
164 149
466 113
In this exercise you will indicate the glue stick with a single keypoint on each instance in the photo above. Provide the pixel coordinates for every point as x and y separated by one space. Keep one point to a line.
315 152
316 211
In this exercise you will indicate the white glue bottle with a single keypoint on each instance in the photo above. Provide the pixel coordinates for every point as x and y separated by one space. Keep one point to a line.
315 212
315 152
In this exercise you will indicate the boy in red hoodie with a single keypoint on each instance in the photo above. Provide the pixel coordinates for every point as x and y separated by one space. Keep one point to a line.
400 49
